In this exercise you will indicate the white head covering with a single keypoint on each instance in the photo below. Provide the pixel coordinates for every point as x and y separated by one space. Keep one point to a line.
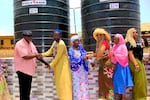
73 38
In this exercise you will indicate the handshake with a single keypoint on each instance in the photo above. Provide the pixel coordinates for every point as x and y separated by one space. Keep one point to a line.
40 58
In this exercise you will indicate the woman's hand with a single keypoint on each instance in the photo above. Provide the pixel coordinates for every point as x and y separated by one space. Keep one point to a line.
111 54
39 56
94 54
145 60
86 57
93 64
137 67
48 67
133 59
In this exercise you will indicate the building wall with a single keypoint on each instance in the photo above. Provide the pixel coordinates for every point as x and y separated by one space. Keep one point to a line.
7 47
6 42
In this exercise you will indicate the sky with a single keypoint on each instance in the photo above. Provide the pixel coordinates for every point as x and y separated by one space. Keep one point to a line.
7 23
6 17
144 10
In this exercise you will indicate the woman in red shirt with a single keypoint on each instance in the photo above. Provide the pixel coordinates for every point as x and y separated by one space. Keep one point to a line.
102 38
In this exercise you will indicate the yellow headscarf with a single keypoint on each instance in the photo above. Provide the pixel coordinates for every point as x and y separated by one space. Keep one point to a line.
101 31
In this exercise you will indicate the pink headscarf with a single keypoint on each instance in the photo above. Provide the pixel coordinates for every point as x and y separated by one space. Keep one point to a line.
120 52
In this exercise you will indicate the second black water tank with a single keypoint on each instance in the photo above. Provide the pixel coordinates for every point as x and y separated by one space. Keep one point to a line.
116 16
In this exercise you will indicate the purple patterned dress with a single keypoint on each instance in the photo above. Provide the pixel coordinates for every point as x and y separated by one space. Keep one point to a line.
79 74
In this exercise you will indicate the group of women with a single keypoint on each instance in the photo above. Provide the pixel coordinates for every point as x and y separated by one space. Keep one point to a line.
120 67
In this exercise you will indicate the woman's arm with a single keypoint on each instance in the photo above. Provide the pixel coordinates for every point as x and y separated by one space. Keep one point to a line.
100 52
133 60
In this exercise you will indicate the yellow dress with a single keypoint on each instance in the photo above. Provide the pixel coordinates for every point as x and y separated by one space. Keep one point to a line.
62 72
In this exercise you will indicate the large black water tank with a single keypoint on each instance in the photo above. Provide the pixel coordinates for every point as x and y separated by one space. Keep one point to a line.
41 17
116 16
